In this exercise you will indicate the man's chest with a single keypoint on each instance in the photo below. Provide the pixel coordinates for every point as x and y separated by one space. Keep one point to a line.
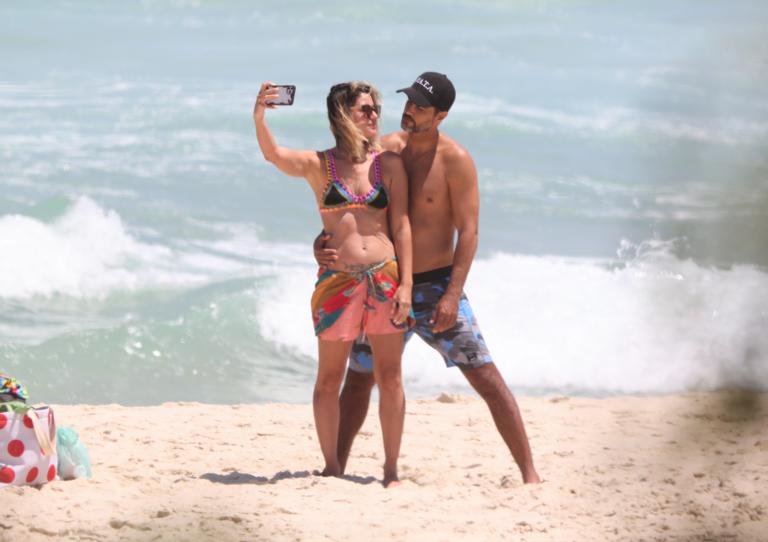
427 184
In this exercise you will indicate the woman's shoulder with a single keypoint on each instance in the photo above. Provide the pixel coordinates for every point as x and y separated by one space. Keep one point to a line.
390 158
392 165
394 141
307 155
318 157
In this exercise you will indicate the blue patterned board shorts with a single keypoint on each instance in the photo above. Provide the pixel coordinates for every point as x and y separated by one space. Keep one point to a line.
461 346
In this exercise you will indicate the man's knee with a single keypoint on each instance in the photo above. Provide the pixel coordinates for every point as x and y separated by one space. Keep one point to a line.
487 381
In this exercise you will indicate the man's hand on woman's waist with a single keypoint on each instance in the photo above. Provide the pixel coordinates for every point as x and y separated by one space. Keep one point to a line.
325 257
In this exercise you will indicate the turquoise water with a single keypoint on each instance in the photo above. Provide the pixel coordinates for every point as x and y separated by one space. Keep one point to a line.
150 254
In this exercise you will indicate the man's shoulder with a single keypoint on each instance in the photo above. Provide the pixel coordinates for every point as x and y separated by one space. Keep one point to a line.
452 152
394 142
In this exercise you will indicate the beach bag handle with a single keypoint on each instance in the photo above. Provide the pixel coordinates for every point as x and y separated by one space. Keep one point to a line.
43 438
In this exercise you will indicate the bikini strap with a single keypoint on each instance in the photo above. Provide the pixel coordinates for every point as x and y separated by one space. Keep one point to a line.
330 166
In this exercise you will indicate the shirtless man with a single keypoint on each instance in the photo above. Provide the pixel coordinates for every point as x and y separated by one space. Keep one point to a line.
443 202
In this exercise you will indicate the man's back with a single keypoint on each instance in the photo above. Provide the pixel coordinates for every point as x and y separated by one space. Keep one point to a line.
430 205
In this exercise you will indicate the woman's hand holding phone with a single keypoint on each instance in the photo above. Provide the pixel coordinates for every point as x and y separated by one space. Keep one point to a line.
271 95
267 94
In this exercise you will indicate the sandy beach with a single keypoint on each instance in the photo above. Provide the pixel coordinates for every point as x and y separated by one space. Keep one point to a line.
683 467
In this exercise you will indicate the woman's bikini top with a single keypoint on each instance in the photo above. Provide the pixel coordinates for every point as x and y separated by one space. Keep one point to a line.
337 196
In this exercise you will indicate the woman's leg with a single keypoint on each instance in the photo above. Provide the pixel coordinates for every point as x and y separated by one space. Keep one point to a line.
387 352
330 373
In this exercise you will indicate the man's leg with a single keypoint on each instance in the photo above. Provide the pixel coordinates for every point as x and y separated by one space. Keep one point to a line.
463 346
353 405
488 382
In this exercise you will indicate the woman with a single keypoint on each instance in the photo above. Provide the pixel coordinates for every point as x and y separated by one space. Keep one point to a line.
362 195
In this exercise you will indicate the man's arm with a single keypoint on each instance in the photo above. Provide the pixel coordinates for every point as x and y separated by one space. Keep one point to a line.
464 195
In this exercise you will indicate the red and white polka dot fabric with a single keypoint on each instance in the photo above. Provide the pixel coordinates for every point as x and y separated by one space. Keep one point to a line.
22 459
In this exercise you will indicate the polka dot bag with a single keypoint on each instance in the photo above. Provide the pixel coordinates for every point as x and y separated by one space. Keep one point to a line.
27 439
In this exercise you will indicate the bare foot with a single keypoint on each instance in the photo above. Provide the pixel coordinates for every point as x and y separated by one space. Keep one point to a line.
334 470
391 480
531 478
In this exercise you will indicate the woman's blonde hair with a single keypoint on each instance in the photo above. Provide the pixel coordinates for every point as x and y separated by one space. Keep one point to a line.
349 139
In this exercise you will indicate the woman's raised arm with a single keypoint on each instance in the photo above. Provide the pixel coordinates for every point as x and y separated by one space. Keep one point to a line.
289 161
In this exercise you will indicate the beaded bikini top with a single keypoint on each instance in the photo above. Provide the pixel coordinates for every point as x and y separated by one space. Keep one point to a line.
337 196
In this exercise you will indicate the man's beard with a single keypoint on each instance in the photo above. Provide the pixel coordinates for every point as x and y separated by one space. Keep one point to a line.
409 125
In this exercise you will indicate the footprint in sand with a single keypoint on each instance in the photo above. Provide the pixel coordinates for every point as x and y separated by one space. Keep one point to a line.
233 519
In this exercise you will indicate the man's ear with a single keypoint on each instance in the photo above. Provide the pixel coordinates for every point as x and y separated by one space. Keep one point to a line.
439 117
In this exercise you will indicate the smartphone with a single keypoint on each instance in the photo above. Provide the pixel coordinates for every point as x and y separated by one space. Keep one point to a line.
286 94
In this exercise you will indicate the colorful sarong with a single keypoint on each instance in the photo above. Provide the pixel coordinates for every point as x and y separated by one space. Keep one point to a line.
358 301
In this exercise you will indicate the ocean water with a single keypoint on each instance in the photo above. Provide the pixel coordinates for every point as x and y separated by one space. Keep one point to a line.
149 254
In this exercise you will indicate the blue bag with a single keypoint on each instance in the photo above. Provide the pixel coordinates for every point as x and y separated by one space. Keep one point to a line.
73 456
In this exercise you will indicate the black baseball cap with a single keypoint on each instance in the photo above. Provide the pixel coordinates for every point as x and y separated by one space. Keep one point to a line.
431 89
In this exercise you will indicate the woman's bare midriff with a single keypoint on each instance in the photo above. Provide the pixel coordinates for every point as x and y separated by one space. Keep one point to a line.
360 237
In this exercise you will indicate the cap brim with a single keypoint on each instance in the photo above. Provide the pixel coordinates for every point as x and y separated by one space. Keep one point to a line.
415 96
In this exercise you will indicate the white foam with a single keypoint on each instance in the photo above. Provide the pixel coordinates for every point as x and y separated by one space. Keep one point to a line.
283 311
243 241
86 253
655 324
89 253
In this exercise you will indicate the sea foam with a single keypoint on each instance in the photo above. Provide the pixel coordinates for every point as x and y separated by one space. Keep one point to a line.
648 322
87 252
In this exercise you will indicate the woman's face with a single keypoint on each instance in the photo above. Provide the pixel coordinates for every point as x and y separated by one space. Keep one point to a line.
365 116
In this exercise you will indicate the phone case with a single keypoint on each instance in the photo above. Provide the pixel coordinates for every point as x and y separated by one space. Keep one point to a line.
286 94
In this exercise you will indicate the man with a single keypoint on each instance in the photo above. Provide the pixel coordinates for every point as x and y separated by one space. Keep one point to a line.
443 201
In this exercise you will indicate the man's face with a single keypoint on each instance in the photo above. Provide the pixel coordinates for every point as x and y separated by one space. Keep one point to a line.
417 119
